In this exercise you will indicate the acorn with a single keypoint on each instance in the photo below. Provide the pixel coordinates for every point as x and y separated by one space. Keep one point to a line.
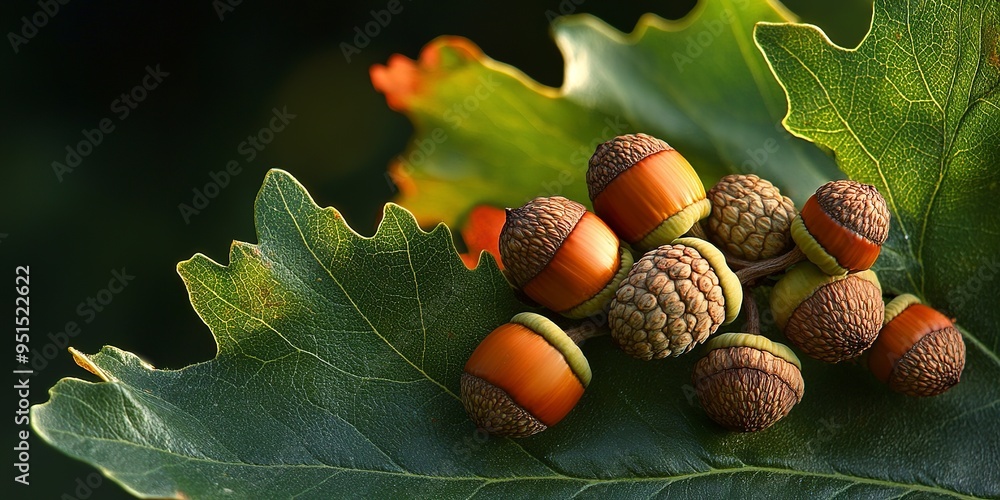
919 352
746 382
750 218
673 299
645 190
524 377
562 256
830 318
842 227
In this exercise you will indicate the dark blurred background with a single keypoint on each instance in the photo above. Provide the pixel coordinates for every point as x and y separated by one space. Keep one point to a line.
227 65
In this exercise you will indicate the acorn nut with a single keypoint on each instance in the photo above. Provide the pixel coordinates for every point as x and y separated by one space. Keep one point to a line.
830 318
750 218
524 377
919 352
673 298
645 190
562 256
842 226
746 382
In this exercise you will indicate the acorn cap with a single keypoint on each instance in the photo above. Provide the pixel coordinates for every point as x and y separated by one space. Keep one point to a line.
562 256
524 377
842 226
534 232
750 218
830 318
919 352
645 190
746 382
613 157
674 298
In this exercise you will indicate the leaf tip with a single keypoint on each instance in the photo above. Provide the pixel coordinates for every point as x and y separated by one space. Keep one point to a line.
84 361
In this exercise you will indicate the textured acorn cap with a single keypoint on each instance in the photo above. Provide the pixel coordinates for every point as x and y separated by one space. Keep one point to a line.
616 156
494 411
858 207
645 190
534 232
830 318
524 376
746 382
674 298
750 218
847 224
935 360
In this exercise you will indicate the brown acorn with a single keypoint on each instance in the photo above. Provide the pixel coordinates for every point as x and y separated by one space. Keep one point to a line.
750 218
673 299
746 382
645 190
842 227
562 256
919 352
830 318
524 377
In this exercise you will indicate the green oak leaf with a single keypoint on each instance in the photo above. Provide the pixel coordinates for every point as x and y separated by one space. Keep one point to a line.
914 110
337 374
486 133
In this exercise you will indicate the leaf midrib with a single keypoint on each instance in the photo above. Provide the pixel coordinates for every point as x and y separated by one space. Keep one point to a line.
589 481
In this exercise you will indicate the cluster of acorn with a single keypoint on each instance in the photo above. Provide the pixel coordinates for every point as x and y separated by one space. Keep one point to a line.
529 373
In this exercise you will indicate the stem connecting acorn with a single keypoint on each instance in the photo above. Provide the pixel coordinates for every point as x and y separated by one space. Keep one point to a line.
750 219
645 190
842 227
524 377
919 352
746 382
673 299
830 318
562 256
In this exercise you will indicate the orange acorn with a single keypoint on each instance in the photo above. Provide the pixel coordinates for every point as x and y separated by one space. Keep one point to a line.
645 190
842 226
562 256
524 377
919 352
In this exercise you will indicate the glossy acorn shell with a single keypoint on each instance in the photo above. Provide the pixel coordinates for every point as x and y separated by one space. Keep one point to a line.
524 377
562 256
645 190
919 352
842 226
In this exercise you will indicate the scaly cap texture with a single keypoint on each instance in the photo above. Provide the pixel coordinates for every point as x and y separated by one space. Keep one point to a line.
532 234
750 218
744 387
671 300
617 155
858 207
